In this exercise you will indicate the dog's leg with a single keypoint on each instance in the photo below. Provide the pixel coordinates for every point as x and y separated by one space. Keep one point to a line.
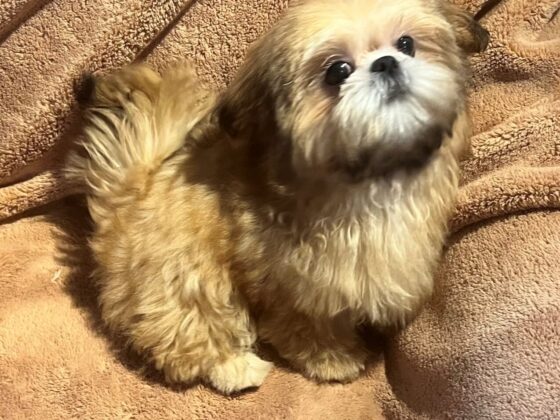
184 313
203 332
324 349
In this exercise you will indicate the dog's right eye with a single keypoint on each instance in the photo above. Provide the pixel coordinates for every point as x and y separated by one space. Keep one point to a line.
338 72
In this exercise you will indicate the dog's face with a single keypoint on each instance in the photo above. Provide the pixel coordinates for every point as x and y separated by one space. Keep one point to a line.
355 88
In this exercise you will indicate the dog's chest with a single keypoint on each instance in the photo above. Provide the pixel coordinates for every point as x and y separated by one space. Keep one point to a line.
362 261
372 254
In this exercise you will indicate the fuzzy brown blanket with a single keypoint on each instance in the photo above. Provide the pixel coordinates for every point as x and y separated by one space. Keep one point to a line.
485 347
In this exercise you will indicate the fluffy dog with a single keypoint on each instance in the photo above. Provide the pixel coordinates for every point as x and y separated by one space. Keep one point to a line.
309 197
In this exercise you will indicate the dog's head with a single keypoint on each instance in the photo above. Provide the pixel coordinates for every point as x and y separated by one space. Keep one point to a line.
357 88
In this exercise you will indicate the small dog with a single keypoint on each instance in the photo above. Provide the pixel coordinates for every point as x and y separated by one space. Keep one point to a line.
308 198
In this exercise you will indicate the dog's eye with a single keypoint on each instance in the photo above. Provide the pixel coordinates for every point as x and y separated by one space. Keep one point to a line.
405 44
338 72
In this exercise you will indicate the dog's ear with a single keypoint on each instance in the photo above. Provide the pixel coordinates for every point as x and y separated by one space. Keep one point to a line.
234 108
471 36
245 109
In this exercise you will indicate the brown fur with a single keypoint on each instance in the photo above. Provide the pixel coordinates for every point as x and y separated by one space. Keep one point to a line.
208 232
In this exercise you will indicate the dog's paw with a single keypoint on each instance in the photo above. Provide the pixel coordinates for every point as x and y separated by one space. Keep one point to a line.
335 367
238 373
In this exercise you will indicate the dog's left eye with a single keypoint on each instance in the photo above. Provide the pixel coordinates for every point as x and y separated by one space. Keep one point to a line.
405 44
338 72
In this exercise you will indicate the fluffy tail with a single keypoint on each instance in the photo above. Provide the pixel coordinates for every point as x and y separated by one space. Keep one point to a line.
136 119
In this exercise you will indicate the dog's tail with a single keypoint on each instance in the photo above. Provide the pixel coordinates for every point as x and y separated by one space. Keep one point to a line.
136 119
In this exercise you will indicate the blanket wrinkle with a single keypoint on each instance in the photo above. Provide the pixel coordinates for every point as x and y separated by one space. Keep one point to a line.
14 12
485 346
36 93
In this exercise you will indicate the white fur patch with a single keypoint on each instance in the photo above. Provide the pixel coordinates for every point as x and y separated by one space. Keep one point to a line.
366 115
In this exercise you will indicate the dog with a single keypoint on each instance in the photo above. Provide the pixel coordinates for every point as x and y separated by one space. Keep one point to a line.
308 198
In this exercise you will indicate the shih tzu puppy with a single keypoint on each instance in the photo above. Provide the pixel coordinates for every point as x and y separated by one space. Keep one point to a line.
309 197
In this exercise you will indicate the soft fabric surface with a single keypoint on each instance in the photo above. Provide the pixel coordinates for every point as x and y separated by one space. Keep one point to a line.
487 344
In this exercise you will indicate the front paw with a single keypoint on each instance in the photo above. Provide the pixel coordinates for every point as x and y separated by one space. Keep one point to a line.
239 372
332 366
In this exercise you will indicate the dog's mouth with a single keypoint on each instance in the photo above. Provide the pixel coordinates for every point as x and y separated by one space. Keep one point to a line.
384 161
390 86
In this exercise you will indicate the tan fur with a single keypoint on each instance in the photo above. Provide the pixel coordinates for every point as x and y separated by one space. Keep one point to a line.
206 231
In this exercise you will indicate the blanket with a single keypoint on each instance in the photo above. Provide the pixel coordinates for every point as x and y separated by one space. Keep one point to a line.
486 345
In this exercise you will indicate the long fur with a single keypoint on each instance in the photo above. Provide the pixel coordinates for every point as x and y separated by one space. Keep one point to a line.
158 282
210 230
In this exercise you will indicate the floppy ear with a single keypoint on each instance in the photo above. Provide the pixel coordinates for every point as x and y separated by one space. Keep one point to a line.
471 36
244 110
234 108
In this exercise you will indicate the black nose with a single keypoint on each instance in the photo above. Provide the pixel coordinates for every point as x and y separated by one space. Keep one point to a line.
386 64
